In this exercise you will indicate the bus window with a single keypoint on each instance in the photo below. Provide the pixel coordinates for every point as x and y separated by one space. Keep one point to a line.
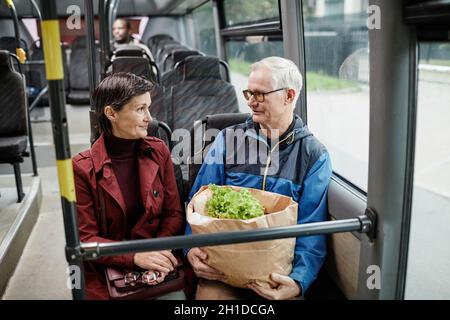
428 255
241 53
337 83
238 11
204 29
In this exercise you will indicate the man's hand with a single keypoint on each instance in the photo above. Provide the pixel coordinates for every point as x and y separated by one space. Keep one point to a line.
286 288
162 261
197 258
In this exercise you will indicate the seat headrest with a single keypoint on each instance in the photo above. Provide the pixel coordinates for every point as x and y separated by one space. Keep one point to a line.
137 65
129 50
223 120
5 61
201 67
161 36
179 55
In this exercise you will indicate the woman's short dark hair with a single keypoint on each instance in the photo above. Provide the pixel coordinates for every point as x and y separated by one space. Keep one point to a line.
116 90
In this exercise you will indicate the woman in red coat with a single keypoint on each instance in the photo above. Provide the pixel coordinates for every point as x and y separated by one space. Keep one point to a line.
136 179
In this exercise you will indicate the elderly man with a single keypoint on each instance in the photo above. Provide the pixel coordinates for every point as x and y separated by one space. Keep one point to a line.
302 171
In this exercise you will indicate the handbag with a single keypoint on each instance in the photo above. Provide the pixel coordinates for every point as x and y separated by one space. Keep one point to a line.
137 284
126 284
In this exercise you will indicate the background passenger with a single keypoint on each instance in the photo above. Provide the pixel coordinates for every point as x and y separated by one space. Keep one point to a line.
303 173
123 36
135 175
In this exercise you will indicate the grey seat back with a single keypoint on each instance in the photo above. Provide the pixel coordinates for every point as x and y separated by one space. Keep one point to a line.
165 53
157 108
134 59
174 75
200 145
13 117
201 91
153 41
160 47
79 73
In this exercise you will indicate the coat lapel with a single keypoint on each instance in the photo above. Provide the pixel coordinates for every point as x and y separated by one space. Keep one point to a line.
148 169
108 181
110 185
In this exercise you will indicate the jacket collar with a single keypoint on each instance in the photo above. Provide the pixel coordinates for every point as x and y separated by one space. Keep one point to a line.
100 156
299 131
148 170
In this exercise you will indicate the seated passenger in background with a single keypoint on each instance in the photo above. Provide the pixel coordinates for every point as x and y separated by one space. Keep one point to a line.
131 176
303 173
123 36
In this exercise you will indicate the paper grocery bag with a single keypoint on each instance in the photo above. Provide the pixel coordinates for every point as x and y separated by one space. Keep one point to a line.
247 262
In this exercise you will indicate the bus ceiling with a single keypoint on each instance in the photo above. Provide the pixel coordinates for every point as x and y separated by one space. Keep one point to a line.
126 7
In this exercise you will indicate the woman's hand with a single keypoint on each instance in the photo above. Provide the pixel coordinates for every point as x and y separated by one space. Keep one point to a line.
197 258
161 261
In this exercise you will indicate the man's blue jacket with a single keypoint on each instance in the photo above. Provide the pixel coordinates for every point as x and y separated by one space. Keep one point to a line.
299 167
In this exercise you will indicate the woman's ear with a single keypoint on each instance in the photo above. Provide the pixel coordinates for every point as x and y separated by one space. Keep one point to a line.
110 113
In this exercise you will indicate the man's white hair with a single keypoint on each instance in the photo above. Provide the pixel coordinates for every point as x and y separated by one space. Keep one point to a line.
285 73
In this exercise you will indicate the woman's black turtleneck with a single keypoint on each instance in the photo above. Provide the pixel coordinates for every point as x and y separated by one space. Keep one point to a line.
124 157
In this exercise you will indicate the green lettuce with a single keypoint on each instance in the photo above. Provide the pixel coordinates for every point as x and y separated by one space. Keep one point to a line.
226 203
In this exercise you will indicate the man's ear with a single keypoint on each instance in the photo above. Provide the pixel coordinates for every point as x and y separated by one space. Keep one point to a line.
290 95
110 113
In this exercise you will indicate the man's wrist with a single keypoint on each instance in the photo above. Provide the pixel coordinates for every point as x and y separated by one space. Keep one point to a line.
299 287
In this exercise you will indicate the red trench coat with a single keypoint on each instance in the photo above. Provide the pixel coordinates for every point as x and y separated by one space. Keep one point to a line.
163 215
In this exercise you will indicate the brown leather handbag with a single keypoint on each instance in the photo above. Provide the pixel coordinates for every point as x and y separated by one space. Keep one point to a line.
137 284
132 284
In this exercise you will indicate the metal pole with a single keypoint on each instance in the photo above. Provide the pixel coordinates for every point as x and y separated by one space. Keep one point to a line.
104 36
220 47
55 77
36 7
90 40
96 250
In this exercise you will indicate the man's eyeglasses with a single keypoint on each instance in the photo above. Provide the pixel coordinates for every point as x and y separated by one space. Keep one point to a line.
259 96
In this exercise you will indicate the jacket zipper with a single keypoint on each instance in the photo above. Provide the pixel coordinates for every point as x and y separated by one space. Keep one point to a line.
269 158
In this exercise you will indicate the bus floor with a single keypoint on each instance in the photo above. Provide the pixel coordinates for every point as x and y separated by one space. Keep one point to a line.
41 271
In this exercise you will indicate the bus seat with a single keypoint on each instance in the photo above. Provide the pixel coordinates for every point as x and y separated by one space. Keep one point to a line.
162 131
138 65
176 55
135 59
153 41
160 47
141 66
169 77
164 54
202 91
215 121
78 72
13 118
157 108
